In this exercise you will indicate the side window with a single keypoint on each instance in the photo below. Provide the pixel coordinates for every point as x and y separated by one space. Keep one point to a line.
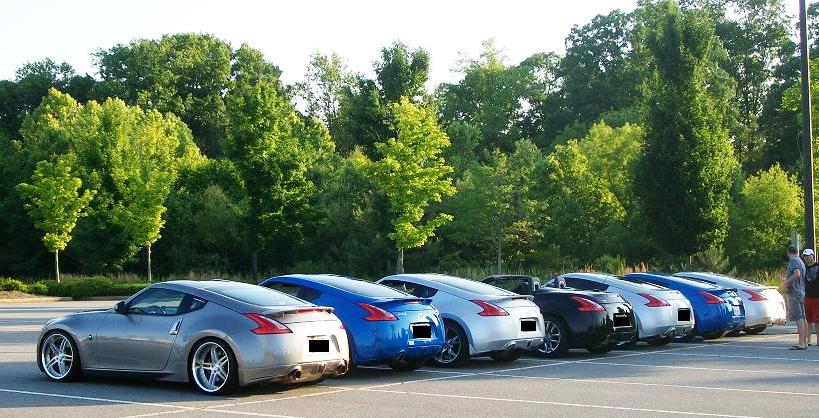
158 302
308 294
286 288
423 291
417 290
194 304
584 284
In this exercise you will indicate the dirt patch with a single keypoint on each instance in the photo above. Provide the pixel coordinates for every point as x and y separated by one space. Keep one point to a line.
16 294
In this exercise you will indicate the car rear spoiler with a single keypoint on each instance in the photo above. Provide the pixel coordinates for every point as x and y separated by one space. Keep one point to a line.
402 301
299 310
512 297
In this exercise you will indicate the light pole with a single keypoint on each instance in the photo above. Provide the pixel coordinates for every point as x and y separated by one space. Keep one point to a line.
807 127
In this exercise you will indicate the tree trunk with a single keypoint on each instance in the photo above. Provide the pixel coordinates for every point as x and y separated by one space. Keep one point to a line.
399 264
149 263
254 264
500 255
57 264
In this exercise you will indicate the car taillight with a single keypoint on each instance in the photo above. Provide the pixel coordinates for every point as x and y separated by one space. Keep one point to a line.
375 313
490 309
301 311
756 295
711 299
654 301
587 305
266 326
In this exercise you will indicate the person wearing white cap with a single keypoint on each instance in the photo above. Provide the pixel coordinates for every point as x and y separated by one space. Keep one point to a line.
811 292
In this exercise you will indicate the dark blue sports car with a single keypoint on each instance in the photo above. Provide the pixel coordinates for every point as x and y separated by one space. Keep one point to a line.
717 310
384 325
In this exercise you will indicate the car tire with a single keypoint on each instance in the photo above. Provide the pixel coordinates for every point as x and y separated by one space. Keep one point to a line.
755 330
408 364
455 352
601 349
713 335
206 352
659 341
506 356
58 357
556 339
734 333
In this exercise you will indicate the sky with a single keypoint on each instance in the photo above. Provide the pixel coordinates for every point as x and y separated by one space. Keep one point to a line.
287 32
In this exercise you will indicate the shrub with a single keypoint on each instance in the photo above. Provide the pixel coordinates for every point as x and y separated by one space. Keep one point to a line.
38 288
11 285
610 264
88 288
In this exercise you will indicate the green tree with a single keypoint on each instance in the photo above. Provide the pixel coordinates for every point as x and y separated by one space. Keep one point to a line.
272 148
494 208
766 211
687 166
55 203
402 73
186 74
413 174
326 79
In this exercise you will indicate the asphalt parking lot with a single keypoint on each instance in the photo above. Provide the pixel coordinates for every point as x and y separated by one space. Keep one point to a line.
749 376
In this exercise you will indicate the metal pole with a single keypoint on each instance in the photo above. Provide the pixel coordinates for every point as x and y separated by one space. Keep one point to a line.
807 128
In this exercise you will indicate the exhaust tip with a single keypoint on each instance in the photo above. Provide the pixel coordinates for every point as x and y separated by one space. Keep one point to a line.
342 368
295 374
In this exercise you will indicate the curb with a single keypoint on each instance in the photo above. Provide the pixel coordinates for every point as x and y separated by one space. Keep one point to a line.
35 300
103 298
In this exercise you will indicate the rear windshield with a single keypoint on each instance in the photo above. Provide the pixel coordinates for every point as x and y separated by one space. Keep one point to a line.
638 283
730 281
682 279
363 288
472 286
257 295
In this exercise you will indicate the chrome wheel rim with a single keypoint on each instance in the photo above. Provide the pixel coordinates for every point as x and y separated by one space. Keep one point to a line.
211 366
551 340
452 346
57 356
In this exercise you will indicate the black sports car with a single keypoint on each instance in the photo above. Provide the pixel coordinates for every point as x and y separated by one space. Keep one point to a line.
596 321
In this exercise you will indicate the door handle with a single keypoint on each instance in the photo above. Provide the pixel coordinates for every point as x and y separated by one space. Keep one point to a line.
175 327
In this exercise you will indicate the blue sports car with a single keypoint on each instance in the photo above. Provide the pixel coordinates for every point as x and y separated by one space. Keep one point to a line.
717 310
383 325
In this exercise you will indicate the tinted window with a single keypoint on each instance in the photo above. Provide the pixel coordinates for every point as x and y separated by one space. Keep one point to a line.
584 284
640 284
411 288
363 288
161 302
195 304
472 286
258 295
519 285
286 288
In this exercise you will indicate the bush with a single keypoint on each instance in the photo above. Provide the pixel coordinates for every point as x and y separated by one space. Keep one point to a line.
38 288
11 285
610 264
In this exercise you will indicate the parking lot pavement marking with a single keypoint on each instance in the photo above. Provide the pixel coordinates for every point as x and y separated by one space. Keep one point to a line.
328 392
740 357
254 414
570 404
87 398
663 385
713 369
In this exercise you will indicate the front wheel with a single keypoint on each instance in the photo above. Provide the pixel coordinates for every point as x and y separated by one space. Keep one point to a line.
213 368
556 338
59 357
456 347
506 356
408 364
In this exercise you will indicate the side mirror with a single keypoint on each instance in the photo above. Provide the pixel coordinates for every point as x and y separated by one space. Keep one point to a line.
121 308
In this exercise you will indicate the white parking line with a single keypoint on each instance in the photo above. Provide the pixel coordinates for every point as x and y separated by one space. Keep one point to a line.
88 398
712 369
709 388
580 405
338 390
740 357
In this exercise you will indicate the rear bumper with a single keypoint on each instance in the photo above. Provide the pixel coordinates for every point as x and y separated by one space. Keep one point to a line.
524 344
293 373
592 329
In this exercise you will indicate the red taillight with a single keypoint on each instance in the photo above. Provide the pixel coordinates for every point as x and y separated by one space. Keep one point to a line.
587 305
266 326
376 314
711 299
490 309
756 295
654 301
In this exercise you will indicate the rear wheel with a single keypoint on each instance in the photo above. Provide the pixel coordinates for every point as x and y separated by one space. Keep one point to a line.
755 330
213 369
506 356
659 341
456 347
408 364
59 357
556 337
601 349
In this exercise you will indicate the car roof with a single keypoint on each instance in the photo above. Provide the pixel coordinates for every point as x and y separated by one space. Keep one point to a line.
214 290
674 279
332 283
447 283
617 282
719 279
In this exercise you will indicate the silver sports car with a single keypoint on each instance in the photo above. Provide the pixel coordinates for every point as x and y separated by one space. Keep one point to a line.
479 319
219 335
